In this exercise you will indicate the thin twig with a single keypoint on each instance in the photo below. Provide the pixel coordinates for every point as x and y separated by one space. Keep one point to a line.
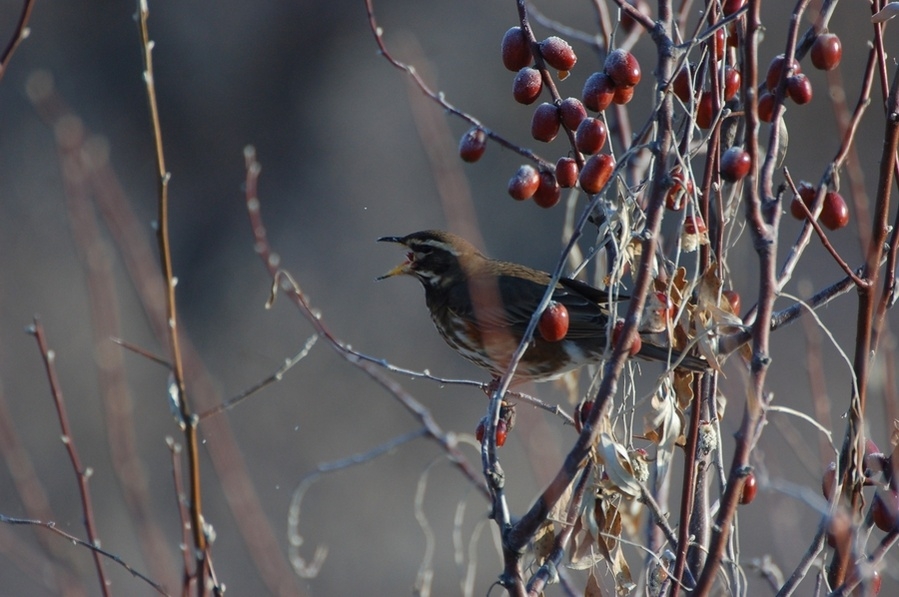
282 279
95 550
273 378
809 216
19 35
81 473
188 420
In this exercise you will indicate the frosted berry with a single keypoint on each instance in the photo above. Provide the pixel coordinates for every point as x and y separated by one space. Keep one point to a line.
599 89
527 85
548 192
553 324
545 123
558 53
516 50
623 95
566 172
590 136
524 183
473 145
572 112
597 172
623 68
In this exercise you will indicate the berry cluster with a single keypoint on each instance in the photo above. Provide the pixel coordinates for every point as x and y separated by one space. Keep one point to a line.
589 168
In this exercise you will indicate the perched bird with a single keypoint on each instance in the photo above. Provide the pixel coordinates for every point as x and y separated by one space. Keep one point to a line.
482 307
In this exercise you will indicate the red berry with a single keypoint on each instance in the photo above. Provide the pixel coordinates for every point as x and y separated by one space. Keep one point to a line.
835 213
524 184
750 488
581 414
705 110
776 69
596 173
876 583
553 324
766 107
729 7
558 53
680 192
572 112
502 431
733 299
682 84
599 89
516 49
827 51
732 80
885 509
735 164
733 39
806 195
590 136
566 172
548 192
627 23
695 225
658 313
623 95
545 123
718 44
473 145
623 68
636 345
799 88
527 86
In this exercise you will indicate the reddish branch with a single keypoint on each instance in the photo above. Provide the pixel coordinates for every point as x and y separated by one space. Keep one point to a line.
81 473
188 420
18 36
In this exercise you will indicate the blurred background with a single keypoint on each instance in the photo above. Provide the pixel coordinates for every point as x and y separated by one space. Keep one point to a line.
346 157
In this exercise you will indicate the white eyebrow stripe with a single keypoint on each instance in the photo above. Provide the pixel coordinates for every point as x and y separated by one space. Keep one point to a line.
439 245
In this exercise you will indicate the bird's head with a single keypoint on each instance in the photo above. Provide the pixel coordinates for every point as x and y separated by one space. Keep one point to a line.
434 257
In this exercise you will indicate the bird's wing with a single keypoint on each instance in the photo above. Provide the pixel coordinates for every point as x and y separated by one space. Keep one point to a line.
519 297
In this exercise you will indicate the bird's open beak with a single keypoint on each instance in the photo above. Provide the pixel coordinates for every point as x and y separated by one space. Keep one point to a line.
402 268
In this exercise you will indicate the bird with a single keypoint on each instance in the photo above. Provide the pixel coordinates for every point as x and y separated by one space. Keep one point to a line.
482 307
